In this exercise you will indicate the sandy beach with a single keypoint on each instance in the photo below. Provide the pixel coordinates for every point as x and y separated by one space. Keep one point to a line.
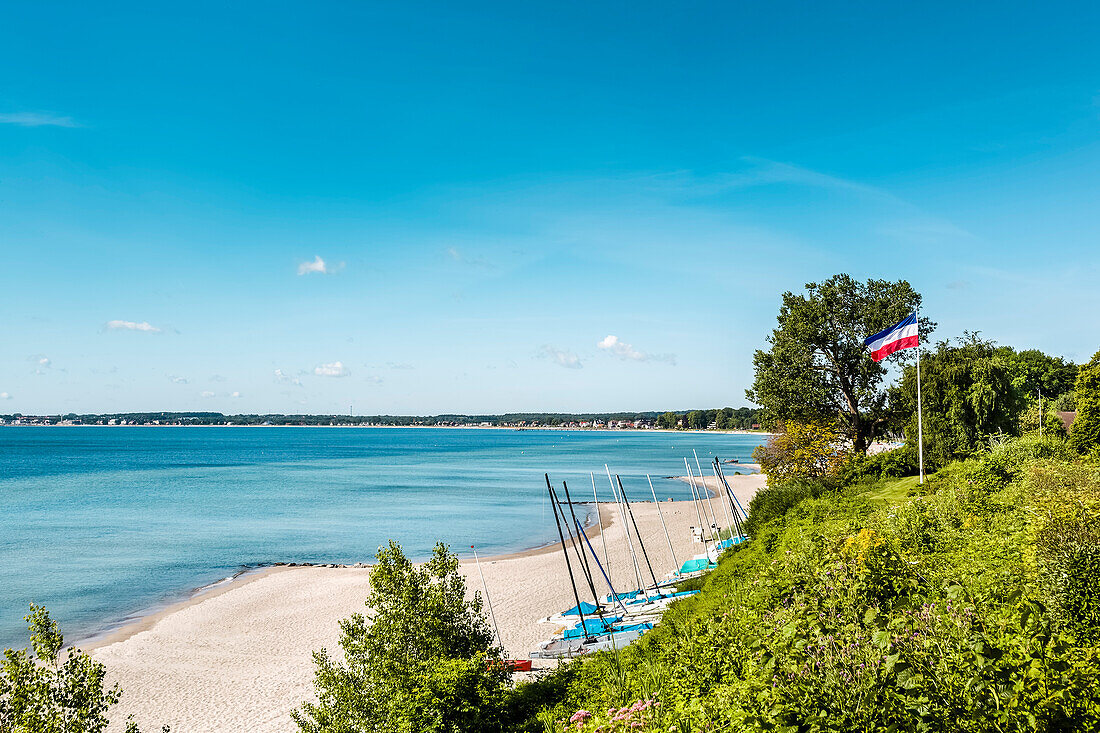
238 658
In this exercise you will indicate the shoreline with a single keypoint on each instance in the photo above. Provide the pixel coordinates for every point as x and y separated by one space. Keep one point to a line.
144 619
239 657
424 427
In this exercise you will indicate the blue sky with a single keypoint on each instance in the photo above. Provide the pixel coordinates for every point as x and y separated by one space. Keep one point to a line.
485 207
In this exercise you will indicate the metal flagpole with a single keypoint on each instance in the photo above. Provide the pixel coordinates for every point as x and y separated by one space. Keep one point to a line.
920 420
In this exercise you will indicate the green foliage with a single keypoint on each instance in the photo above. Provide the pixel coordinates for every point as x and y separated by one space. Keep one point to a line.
668 421
887 464
776 499
424 661
817 368
1067 543
968 395
970 608
1084 435
802 449
53 690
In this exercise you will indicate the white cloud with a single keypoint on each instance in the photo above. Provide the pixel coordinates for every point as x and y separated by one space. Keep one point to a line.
626 352
207 393
319 266
178 380
143 326
43 361
562 358
235 395
5 396
335 369
457 256
36 119
281 376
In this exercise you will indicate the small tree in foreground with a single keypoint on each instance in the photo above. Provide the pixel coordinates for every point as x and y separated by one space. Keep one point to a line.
48 690
424 662
802 450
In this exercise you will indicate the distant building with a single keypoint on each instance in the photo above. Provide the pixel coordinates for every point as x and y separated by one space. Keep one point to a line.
1067 418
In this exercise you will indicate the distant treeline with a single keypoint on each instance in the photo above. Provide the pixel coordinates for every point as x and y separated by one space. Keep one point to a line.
722 419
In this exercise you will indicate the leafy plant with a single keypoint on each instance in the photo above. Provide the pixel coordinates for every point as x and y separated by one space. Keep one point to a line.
50 689
423 662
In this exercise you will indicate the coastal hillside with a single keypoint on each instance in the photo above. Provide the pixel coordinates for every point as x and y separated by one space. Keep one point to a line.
969 603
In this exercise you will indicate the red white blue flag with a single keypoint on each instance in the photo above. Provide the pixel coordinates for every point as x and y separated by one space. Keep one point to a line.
902 336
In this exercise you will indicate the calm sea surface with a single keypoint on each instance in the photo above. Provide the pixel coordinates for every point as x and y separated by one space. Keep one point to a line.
100 524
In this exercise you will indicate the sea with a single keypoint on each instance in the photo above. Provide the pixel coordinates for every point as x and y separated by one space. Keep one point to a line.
103 525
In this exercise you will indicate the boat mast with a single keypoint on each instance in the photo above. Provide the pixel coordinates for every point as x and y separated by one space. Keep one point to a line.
577 550
603 534
487 599
675 565
640 543
565 553
629 542
700 511
578 546
713 514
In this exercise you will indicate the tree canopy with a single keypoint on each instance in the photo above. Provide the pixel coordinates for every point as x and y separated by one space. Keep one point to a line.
817 368
969 394
1084 435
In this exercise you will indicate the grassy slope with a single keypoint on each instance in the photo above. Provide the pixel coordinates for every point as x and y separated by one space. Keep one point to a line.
868 608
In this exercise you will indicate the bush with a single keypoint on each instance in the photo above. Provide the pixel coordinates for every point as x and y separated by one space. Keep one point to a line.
1009 457
1067 549
775 500
423 664
47 691
894 463
1084 434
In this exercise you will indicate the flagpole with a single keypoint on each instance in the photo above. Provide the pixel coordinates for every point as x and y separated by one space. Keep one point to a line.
920 421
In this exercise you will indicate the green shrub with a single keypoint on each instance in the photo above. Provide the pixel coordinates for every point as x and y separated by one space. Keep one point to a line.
51 690
423 664
894 463
775 500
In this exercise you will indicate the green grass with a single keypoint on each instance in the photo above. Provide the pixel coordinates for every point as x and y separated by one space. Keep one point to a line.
893 490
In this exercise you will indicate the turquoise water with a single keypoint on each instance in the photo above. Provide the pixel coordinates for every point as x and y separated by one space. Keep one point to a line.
101 524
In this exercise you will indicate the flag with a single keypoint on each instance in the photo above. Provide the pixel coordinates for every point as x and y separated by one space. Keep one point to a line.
902 336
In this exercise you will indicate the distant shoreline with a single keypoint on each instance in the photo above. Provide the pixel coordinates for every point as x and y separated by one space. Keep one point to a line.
421 427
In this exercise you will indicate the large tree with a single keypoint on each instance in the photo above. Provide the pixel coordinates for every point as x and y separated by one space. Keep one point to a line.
970 391
817 368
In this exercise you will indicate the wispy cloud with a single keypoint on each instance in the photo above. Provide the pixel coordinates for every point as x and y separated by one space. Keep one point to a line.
561 357
143 326
284 378
462 258
207 394
36 119
616 346
235 395
318 266
334 369
5 396
399 365
178 380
